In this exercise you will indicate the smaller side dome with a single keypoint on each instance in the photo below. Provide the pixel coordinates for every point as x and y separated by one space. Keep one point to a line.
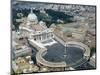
43 24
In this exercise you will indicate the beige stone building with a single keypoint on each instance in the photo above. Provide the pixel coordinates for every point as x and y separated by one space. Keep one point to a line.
68 33
22 65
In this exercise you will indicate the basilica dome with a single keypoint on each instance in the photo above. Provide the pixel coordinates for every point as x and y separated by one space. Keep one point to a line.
32 17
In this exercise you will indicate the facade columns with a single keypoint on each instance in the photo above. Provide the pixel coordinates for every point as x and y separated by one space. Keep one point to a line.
36 37
43 36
